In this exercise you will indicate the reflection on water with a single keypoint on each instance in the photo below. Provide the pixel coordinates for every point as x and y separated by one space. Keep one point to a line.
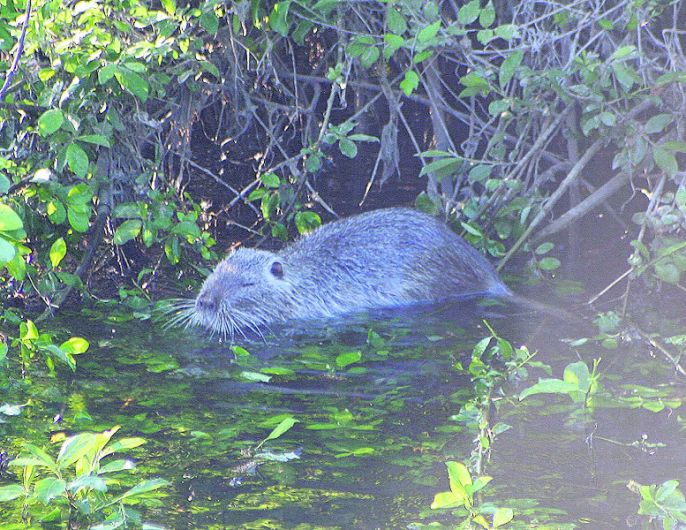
374 397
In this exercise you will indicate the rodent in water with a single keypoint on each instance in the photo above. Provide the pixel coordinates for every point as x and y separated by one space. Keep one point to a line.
383 258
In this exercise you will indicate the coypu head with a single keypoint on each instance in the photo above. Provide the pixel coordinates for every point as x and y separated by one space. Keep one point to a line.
247 290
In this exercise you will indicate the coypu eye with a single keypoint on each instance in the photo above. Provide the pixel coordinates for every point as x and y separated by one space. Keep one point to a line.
277 270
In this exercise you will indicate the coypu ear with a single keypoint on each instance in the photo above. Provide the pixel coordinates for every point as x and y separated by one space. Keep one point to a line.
277 269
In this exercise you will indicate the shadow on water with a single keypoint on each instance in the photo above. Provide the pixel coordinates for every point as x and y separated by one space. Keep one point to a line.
375 396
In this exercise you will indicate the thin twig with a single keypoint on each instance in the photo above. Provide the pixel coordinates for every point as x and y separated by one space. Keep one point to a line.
20 49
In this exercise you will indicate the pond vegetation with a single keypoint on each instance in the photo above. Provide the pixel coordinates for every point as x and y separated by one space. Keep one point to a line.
139 141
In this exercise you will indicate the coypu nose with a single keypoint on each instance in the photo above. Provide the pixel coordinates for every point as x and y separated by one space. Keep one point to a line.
206 303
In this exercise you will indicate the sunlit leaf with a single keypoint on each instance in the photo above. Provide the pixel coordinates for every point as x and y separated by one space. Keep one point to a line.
50 121
469 12
345 359
395 20
77 159
75 447
9 220
429 32
49 488
57 252
410 83
11 492
282 428
75 346
128 230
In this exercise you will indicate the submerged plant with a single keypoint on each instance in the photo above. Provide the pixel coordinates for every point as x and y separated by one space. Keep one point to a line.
81 485
664 503
32 344
463 497
578 383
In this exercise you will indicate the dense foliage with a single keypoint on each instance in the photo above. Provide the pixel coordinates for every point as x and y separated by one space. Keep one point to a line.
128 127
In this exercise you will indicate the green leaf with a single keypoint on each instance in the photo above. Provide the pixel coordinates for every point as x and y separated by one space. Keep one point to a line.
446 499
359 44
347 147
239 351
549 264
474 84
658 122
28 330
77 159
300 31
143 487
359 137
5 184
677 147
133 83
395 21
278 18
210 22
485 36
348 358
57 252
48 488
392 44
9 221
507 69
281 428
169 6
548 386
96 139
680 198
56 212
117 465
469 12
75 447
622 52
422 56
11 492
127 231
307 222
544 248
459 476
502 516
667 272
369 56
625 75
270 180
75 346
410 83
487 15
607 118
429 32
79 221
256 376
3 352
106 73
89 482
442 167
124 445
507 32
666 161
50 121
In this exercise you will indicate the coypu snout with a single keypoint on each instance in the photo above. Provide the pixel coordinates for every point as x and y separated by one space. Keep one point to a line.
207 302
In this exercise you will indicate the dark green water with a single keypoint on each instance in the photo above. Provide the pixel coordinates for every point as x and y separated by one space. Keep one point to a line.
372 436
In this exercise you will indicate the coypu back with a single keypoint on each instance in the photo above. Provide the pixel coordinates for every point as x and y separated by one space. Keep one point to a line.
383 258
390 257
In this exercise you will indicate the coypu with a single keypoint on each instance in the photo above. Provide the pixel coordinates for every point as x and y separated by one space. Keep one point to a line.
383 258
